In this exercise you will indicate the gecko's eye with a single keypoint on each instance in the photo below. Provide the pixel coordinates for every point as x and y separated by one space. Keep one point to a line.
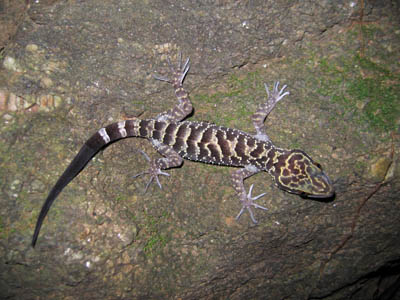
318 165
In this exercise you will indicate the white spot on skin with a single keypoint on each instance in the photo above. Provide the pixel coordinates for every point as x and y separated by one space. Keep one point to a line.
104 135
162 118
121 128
262 137
156 143
251 168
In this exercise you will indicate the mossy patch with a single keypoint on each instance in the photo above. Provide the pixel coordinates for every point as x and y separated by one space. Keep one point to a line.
152 234
367 91
232 101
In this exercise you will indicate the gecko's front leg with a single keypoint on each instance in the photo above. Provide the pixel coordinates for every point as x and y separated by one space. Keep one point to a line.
246 199
264 109
184 106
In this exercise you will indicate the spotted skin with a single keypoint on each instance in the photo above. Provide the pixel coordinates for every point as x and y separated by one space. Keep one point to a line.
293 170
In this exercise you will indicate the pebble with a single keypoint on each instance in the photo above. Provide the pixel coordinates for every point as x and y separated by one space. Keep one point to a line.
10 64
379 169
31 47
46 82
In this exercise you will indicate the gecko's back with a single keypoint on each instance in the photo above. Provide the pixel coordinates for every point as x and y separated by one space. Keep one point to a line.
209 143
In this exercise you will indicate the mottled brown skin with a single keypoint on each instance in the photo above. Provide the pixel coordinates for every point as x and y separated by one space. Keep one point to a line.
293 170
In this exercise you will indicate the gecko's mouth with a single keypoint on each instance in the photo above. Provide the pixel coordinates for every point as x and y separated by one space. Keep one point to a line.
313 196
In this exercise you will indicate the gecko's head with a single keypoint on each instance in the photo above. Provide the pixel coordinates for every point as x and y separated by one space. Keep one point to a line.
297 173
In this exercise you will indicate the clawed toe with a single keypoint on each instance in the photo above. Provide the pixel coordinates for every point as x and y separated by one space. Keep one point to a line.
247 203
179 73
153 171
162 78
276 94
155 175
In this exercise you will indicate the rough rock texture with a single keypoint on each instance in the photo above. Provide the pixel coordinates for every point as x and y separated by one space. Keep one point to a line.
74 66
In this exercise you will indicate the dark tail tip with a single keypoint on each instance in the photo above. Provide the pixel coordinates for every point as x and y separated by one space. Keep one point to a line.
34 239
77 164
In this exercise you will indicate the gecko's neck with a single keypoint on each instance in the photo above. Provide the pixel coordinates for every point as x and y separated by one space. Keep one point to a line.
270 157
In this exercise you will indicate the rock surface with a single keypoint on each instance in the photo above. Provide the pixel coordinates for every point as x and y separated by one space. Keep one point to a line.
74 66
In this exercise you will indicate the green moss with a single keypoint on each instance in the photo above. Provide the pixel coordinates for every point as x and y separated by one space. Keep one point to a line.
364 89
2 229
360 166
233 103
121 198
367 91
155 239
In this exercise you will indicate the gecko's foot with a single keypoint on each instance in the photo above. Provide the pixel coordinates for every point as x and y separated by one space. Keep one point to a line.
153 171
276 94
247 203
179 73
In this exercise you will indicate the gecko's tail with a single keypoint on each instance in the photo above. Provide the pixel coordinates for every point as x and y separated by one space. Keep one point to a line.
97 141
77 164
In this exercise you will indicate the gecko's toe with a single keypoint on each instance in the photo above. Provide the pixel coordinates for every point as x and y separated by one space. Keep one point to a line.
179 72
248 202
276 94
153 171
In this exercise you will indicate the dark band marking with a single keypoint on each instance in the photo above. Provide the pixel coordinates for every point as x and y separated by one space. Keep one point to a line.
143 129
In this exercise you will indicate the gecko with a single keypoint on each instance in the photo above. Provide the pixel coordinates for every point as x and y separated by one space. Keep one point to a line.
175 139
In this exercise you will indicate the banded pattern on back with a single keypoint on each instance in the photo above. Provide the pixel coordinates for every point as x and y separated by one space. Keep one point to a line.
210 143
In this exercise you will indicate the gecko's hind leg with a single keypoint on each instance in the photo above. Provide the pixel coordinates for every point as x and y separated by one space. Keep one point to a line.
153 171
171 159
